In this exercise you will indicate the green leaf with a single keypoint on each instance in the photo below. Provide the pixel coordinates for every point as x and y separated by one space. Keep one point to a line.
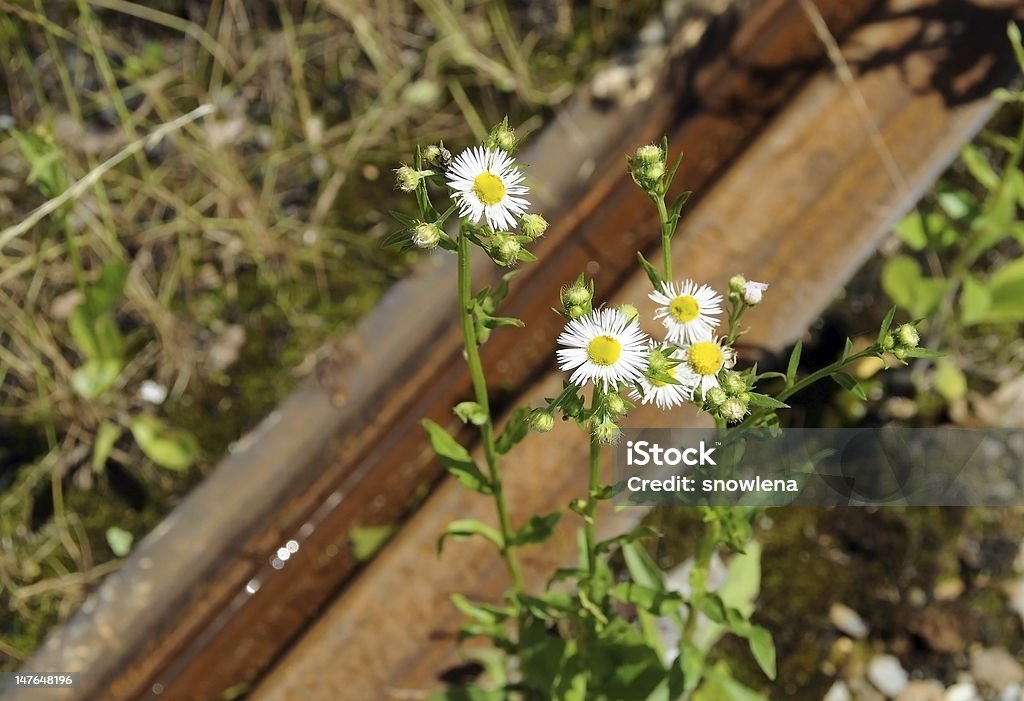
642 568
794 363
847 382
80 326
907 288
950 381
170 448
537 529
493 322
1006 290
883 330
766 402
366 541
467 528
924 353
652 273
763 649
636 534
975 301
525 256
106 436
95 377
119 540
470 413
484 613
677 206
660 603
105 294
455 458
711 605
719 685
109 342
978 166
515 430
468 693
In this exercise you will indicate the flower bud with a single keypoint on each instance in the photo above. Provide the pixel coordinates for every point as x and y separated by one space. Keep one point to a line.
900 353
908 336
502 137
888 342
734 383
650 154
542 420
533 225
654 173
733 409
607 433
716 396
505 249
630 312
576 311
615 404
426 235
573 295
657 361
407 178
437 156
737 283
752 292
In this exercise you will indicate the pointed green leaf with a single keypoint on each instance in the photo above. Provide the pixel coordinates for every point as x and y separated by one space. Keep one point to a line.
537 529
652 273
794 363
455 458
466 528
515 430
847 382
168 447
642 568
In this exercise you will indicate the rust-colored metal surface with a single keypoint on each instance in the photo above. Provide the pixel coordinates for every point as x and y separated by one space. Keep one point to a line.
802 207
209 600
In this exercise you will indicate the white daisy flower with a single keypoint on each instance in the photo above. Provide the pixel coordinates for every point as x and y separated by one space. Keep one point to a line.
487 185
662 394
702 361
603 347
688 311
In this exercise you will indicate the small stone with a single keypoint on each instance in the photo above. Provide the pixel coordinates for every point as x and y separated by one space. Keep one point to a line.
1014 692
838 692
848 621
995 668
964 691
887 674
922 690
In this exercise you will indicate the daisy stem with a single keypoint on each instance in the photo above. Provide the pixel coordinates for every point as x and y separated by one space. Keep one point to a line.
476 371
593 487
666 236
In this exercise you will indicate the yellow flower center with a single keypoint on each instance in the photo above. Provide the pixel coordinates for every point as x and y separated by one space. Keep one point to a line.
604 350
489 188
706 358
671 372
684 308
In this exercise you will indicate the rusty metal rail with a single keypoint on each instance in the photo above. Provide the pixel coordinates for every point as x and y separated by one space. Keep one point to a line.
799 174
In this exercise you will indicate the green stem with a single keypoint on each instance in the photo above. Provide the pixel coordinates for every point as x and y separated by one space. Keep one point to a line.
476 371
825 372
593 486
666 237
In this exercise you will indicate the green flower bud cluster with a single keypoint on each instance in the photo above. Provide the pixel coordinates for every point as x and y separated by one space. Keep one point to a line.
426 235
408 178
900 342
504 248
502 137
731 400
577 298
648 168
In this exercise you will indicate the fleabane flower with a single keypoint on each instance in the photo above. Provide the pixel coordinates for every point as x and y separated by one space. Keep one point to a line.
603 347
488 185
701 363
752 292
688 311
663 394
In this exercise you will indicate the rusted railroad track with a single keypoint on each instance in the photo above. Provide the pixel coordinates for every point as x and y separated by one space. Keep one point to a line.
799 175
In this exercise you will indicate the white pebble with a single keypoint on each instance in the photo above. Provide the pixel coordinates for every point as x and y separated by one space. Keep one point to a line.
965 691
887 674
848 621
152 392
838 692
